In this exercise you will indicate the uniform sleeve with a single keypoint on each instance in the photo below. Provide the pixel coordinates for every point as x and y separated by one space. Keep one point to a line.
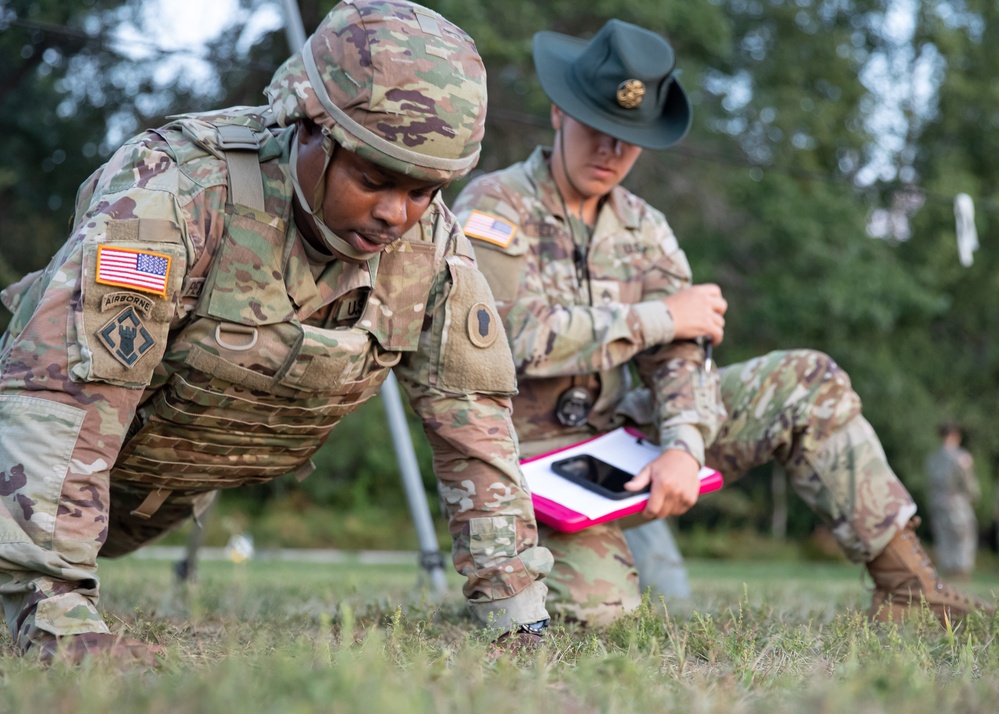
83 344
688 407
551 333
459 382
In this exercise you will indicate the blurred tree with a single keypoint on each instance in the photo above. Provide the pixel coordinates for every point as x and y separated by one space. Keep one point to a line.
78 79
953 149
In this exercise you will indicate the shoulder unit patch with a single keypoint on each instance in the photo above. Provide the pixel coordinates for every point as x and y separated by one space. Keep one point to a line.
483 325
126 338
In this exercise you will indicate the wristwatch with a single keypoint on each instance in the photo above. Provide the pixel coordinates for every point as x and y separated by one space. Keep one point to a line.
534 628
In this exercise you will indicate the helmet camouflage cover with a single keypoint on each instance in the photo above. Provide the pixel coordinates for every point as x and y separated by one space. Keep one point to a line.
393 82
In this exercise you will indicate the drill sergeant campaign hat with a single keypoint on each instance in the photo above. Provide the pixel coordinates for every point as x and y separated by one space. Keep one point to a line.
392 81
623 82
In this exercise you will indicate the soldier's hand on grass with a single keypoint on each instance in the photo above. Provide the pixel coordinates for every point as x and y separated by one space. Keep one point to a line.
522 639
698 311
510 644
675 484
73 649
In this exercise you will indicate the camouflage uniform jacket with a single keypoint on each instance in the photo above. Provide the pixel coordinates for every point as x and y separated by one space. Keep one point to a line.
580 309
180 341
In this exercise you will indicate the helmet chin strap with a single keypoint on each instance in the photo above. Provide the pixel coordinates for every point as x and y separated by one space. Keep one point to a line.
332 240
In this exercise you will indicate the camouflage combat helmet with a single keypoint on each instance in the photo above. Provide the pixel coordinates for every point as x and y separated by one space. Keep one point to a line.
393 82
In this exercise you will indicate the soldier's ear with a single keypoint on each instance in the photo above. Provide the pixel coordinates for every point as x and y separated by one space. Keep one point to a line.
308 131
556 117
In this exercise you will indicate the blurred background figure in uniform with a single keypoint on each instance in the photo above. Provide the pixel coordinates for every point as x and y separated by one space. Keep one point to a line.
954 490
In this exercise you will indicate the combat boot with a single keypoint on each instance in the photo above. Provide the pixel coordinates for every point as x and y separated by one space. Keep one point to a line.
904 578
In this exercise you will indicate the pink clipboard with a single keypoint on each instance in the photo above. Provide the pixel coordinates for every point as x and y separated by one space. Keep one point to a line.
567 520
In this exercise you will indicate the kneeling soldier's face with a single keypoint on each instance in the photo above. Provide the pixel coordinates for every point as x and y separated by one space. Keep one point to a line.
595 162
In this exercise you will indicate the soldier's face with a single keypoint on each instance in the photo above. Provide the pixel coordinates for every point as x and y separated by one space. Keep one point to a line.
595 162
366 205
370 206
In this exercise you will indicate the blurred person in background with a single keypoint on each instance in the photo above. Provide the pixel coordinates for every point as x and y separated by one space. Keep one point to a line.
953 493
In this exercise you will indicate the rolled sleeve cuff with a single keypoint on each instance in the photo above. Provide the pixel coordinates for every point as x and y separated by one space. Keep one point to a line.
525 607
684 437
656 321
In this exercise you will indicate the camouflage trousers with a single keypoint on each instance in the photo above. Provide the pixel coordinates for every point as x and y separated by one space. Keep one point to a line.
62 600
955 535
796 407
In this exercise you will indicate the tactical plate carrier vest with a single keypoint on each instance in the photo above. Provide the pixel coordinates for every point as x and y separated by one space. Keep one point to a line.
251 391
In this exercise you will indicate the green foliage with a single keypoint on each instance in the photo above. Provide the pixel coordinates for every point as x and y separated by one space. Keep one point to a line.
959 363
71 92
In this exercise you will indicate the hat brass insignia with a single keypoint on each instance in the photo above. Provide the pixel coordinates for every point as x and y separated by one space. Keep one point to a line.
630 93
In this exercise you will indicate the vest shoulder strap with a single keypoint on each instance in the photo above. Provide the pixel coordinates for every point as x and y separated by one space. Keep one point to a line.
241 137
240 146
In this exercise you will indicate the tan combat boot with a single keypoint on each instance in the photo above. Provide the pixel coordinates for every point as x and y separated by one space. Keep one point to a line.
904 577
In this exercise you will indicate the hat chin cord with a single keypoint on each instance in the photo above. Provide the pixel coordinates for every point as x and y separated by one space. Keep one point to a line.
580 257
332 240
565 172
618 149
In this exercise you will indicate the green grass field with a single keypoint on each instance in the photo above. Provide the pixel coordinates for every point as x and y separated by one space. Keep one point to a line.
289 637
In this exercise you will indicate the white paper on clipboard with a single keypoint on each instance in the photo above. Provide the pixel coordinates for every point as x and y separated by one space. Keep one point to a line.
618 448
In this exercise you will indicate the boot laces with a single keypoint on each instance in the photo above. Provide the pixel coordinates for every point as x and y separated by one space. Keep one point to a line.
924 558
939 586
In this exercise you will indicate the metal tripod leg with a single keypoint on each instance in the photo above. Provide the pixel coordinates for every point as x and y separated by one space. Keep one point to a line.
431 559
186 570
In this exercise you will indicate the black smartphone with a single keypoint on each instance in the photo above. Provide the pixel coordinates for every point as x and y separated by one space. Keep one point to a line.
598 476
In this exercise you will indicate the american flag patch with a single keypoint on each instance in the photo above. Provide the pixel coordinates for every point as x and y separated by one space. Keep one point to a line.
491 229
136 269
